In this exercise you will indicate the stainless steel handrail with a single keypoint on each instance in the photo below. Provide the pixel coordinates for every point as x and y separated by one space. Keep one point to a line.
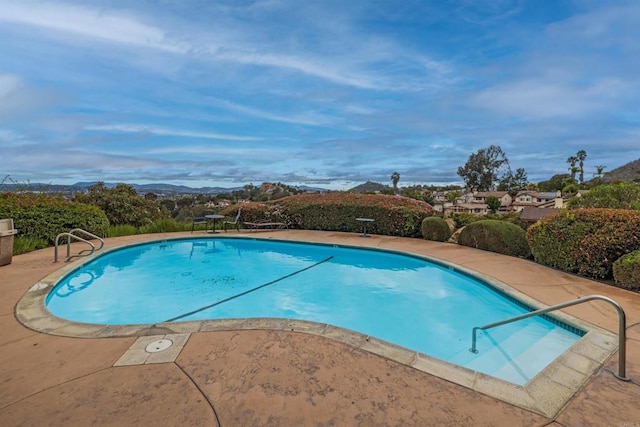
71 236
86 233
622 327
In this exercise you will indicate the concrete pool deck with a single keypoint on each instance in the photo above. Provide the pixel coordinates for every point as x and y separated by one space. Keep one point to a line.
265 377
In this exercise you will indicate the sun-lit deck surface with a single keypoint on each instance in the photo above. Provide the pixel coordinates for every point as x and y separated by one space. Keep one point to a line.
264 377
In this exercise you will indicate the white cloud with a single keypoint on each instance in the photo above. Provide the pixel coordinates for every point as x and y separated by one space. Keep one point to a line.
17 97
534 99
84 21
307 118
354 63
9 83
220 151
155 130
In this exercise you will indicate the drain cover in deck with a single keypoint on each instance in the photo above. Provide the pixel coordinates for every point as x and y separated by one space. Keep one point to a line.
158 346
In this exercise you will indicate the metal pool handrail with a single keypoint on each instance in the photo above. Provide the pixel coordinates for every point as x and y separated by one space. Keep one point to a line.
70 235
622 327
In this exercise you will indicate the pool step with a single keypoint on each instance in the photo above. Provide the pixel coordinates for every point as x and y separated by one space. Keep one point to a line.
514 358
542 352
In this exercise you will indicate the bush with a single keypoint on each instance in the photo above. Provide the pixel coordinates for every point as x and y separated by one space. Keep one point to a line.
435 228
496 236
464 219
123 205
122 230
41 217
165 225
394 215
626 271
585 241
22 245
623 195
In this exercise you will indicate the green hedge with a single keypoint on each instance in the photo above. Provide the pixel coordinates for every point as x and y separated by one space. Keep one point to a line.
464 219
626 271
585 241
435 228
496 236
41 217
394 215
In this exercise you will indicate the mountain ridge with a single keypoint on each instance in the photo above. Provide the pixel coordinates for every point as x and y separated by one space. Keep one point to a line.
159 188
627 172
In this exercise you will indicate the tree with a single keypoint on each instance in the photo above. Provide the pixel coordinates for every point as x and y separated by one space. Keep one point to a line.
122 204
514 182
493 203
395 177
452 196
572 160
599 171
555 183
623 195
481 170
581 156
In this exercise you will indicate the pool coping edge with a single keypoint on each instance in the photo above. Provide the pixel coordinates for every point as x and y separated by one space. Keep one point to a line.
545 394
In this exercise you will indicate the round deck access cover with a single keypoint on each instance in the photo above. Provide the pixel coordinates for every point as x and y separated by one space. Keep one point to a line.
158 346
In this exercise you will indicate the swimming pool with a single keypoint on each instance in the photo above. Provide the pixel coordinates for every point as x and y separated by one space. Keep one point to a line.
409 301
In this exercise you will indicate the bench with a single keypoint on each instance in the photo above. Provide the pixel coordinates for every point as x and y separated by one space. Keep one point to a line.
264 224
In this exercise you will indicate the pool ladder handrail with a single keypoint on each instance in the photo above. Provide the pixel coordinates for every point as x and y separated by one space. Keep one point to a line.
71 236
622 327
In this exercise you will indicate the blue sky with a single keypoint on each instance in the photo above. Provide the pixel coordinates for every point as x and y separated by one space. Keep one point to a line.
323 93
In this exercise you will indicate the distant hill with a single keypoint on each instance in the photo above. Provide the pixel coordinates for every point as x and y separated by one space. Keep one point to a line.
629 173
369 187
160 188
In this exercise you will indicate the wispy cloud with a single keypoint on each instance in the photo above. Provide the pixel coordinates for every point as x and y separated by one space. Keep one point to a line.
17 97
534 99
324 91
306 118
160 131
87 22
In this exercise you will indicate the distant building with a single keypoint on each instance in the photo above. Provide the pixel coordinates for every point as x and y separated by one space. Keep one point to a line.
538 199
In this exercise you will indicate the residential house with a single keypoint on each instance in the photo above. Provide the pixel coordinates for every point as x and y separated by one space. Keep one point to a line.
481 197
537 199
471 208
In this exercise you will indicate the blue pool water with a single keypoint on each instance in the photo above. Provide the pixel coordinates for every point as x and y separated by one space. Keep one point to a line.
405 300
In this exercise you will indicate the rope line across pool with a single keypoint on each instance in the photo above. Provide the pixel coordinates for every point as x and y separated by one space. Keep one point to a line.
173 319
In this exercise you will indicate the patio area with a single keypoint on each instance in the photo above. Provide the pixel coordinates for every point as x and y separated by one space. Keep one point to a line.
283 377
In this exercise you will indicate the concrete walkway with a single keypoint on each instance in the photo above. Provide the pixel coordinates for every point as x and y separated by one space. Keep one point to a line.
281 378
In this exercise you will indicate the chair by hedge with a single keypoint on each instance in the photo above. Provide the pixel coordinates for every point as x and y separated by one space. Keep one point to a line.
198 220
235 222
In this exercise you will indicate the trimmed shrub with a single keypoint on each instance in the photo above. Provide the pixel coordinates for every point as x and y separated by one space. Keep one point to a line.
394 215
435 228
626 271
496 236
41 217
585 241
464 219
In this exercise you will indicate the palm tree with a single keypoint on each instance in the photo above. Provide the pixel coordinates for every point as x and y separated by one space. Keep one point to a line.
572 160
395 177
581 156
599 170
452 196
